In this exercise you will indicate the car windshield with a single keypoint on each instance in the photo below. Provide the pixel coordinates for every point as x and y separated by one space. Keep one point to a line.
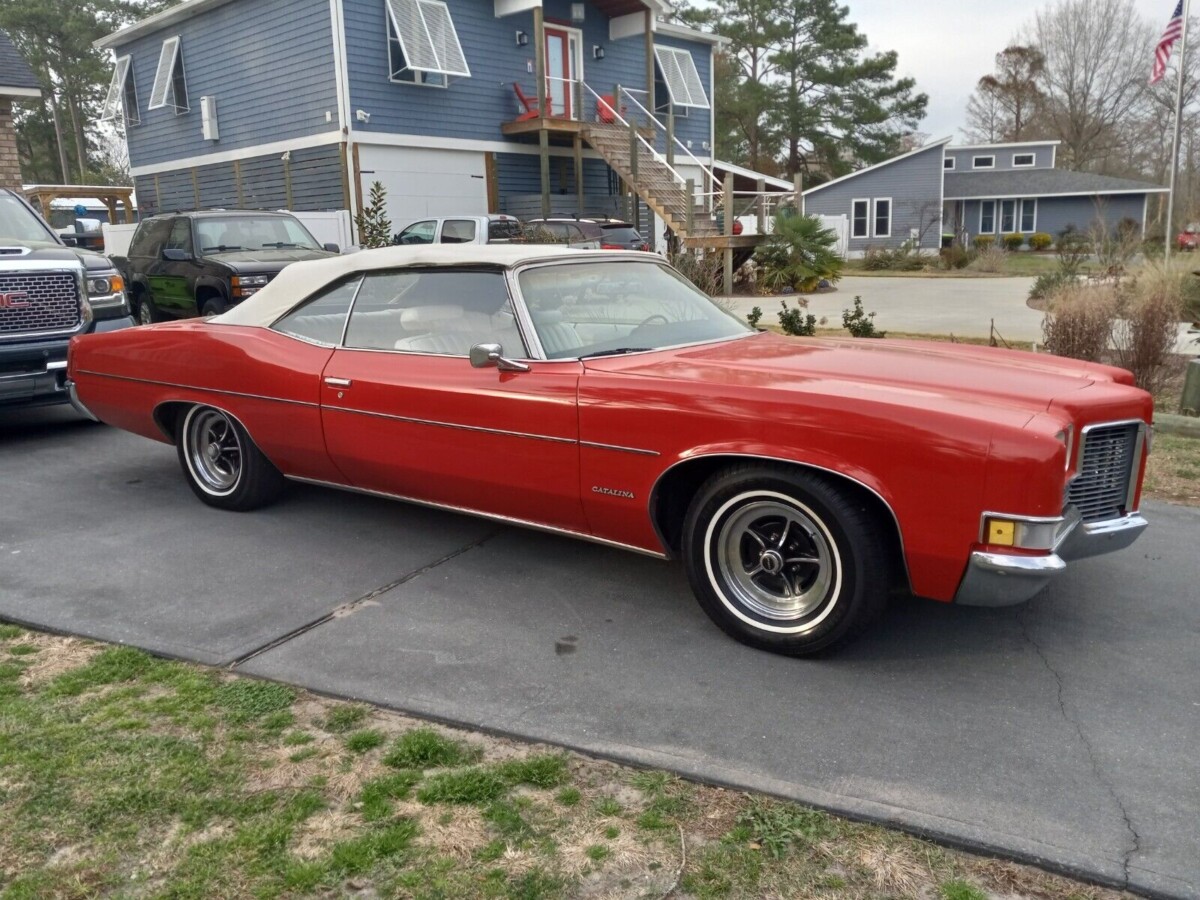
220 234
17 223
601 308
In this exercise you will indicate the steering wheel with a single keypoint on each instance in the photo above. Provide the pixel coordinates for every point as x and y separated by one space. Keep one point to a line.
646 321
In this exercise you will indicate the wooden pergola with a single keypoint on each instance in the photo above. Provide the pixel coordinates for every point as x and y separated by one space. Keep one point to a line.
110 195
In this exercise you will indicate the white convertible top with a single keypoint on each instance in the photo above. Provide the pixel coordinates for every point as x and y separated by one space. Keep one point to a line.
304 278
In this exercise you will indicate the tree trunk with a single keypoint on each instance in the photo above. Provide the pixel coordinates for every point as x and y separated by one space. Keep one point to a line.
58 139
80 144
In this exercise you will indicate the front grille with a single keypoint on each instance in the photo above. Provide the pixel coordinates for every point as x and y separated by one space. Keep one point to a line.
1106 465
38 302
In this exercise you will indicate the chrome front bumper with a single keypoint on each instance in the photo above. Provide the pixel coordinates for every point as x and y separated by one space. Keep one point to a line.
1004 579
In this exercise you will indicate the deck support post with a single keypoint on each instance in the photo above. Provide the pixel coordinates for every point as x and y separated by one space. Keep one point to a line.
798 189
727 220
539 55
670 134
635 216
760 204
578 148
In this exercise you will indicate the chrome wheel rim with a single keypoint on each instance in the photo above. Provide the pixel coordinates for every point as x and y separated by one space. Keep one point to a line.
778 561
144 314
214 450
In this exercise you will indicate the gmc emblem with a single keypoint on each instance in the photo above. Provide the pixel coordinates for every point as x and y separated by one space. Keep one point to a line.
14 300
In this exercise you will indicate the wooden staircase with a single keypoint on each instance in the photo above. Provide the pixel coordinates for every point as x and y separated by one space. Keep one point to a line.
654 183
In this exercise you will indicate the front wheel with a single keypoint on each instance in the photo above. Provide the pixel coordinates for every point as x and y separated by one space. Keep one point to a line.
784 560
213 307
146 313
222 465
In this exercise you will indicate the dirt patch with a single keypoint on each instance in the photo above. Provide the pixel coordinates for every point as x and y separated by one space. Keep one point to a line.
55 655
457 833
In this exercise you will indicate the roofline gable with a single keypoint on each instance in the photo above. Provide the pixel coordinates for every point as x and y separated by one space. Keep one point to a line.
879 165
1001 146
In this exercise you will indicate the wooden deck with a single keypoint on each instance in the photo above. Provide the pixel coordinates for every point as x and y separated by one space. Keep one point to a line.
722 242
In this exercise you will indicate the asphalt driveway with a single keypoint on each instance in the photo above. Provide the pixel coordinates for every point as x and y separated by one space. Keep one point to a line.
1064 731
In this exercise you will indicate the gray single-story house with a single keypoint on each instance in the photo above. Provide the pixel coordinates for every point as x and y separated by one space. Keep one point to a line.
981 189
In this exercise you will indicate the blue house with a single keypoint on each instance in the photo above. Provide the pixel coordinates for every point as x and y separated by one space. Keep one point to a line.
456 106
966 191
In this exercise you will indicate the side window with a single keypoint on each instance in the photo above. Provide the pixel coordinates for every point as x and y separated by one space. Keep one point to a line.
558 230
440 311
149 236
418 233
458 231
322 317
575 234
180 237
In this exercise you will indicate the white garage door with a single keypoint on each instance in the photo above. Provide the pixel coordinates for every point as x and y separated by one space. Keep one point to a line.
421 183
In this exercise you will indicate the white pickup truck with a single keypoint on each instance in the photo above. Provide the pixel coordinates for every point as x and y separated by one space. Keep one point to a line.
496 228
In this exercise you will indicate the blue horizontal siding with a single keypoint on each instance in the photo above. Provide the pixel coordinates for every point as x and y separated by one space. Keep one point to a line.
269 63
1043 157
474 108
1056 214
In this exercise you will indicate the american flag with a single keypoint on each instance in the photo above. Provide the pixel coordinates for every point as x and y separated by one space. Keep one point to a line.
1170 35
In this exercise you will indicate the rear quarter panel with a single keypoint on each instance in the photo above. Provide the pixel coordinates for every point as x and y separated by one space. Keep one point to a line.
267 381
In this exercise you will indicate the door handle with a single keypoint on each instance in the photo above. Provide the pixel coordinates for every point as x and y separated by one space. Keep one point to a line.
337 382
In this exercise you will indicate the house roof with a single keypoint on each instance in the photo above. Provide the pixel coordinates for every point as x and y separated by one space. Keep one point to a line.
771 180
1003 144
16 78
887 162
1039 183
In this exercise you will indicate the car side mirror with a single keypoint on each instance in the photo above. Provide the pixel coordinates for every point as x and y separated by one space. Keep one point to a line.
71 240
332 248
485 355
172 254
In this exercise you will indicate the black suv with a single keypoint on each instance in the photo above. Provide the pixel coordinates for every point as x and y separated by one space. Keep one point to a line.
49 292
202 263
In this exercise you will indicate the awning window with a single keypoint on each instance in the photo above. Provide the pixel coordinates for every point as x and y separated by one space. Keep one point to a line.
170 87
427 37
683 81
121 101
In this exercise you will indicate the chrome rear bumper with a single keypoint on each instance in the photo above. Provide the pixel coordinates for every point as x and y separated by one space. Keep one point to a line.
1004 579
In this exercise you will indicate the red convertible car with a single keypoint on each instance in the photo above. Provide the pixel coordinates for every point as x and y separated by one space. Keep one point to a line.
602 396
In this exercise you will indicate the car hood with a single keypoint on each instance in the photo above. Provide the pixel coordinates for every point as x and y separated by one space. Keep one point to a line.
51 253
913 373
265 260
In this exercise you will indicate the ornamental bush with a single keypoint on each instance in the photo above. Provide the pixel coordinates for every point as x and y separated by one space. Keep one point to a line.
1040 241
799 253
1013 241
983 241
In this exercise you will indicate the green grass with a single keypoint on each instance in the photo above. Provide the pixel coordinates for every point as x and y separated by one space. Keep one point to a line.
128 775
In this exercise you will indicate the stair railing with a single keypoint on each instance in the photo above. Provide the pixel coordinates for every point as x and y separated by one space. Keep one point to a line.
712 178
633 130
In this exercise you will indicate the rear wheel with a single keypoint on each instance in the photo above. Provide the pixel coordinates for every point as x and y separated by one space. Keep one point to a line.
784 560
222 465
146 313
214 306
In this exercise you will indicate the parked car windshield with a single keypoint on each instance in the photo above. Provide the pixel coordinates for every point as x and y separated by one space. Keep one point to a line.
219 234
18 223
593 309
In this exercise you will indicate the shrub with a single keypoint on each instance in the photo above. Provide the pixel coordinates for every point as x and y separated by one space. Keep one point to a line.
1048 283
1040 241
956 257
795 322
704 270
1079 321
374 226
1013 241
990 259
799 253
860 324
1073 248
900 260
983 241
1144 335
754 316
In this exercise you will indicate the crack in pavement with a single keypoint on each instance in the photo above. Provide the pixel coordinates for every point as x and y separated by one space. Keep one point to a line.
352 606
1135 848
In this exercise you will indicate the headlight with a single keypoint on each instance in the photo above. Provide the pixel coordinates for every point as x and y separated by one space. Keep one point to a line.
250 280
106 289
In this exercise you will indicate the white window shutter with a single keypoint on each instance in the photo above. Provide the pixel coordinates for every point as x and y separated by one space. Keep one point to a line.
162 75
681 76
116 90
427 37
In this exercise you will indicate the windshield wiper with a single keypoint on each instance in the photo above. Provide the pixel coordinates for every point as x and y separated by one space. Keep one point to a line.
616 352
221 248
279 245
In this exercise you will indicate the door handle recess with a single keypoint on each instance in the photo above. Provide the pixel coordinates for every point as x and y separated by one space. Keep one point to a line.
337 382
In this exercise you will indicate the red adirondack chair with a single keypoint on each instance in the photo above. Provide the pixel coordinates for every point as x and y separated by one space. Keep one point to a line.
530 104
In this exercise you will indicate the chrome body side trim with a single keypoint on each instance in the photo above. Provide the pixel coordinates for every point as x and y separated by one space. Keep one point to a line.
436 424
193 387
618 448
653 502
494 517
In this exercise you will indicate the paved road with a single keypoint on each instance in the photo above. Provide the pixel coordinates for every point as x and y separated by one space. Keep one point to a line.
1064 731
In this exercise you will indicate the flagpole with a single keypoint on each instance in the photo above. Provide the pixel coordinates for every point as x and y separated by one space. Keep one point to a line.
1170 235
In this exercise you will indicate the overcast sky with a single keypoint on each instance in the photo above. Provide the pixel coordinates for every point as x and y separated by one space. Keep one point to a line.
948 45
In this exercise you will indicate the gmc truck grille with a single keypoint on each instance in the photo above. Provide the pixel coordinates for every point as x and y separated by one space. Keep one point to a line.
36 302
1106 466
